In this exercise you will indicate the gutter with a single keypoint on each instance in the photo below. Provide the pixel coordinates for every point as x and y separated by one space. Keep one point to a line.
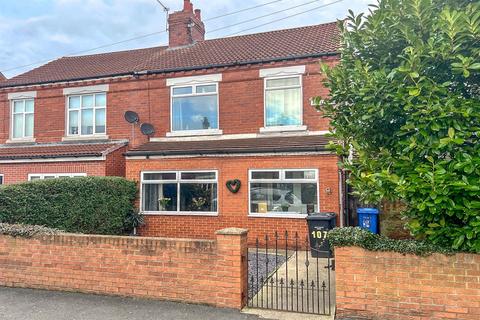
170 70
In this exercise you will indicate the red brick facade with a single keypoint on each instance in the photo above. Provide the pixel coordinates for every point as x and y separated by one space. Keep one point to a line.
233 207
241 102
195 271
387 285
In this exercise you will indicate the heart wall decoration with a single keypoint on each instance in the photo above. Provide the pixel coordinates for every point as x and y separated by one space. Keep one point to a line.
234 185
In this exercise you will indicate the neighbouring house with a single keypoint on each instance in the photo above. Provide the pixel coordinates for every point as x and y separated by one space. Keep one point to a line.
226 134
2 77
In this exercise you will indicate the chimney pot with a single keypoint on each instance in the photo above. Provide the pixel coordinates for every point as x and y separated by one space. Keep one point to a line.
198 14
187 6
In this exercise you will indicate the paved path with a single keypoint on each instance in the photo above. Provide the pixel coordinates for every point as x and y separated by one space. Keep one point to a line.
26 304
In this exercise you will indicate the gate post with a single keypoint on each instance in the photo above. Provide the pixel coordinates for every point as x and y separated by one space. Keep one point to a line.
232 267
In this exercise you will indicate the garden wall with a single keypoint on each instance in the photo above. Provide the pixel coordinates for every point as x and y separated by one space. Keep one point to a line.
387 285
197 271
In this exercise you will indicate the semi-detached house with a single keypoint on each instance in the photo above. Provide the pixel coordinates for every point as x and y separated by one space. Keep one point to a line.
229 139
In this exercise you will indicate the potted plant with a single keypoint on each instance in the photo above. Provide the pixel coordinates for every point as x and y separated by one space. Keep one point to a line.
163 203
134 220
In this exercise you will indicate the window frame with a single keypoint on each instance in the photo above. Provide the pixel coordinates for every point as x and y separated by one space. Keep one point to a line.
79 110
281 179
56 175
265 89
2 179
24 113
194 94
178 181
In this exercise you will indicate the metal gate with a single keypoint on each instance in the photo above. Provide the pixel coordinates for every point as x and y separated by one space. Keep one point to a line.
284 275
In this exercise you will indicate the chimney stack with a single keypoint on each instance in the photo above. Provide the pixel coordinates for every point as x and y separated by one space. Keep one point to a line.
185 27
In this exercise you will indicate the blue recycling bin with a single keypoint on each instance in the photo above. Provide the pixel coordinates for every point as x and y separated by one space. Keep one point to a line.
368 219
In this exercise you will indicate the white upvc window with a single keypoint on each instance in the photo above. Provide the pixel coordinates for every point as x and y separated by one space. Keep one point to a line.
45 176
291 193
180 192
1 179
86 114
22 119
283 101
194 107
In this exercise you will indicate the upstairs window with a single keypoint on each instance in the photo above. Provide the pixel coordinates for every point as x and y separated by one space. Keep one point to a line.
283 101
283 192
87 114
22 118
177 192
195 107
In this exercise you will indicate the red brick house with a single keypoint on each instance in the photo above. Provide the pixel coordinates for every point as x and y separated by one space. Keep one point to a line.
236 141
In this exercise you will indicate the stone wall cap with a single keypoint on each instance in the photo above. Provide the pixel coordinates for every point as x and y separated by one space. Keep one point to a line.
232 232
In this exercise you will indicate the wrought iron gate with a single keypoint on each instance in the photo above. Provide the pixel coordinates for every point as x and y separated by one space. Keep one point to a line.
284 275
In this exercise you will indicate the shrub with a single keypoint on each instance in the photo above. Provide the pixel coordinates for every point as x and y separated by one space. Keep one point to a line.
94 205
405 99
26 231
358 237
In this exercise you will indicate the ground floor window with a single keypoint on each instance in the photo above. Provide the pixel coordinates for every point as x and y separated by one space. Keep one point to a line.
180 191
43 176
1 179
283 191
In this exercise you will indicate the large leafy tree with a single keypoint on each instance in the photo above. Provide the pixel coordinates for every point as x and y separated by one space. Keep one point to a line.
405 107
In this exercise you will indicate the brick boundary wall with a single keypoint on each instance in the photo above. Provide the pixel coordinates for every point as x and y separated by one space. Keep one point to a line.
387 285
209 272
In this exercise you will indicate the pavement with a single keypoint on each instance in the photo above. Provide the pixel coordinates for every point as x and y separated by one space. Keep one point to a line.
27 304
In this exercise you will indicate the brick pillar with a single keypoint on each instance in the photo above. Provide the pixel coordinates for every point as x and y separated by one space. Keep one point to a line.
232 268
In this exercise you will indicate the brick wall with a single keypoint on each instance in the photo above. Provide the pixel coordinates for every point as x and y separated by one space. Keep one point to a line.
195 271
115 163
233 208
385 285
241 108
18 172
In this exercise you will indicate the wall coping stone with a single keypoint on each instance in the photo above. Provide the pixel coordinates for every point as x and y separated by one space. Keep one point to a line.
232 232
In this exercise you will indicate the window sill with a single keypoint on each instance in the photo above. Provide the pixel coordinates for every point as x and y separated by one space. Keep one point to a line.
278 215
191 214
25 140
283 129
83 138
188 133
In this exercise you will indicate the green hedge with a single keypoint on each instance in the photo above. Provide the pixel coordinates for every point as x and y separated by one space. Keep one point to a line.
93 205
358 237
26 231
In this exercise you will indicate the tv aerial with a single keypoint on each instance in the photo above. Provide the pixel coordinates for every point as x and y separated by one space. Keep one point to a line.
166 9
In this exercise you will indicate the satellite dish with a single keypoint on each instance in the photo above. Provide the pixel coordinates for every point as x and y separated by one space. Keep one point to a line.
147 129
131 117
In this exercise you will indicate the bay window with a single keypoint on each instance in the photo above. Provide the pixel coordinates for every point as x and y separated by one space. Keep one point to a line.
87 114
177 192
283 101
194 107
22 118
283 192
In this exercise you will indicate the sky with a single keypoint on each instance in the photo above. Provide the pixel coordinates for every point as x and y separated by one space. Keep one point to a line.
37 31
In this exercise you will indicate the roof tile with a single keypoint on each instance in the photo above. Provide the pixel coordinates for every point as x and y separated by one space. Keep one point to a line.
267 46
61 150
303 143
